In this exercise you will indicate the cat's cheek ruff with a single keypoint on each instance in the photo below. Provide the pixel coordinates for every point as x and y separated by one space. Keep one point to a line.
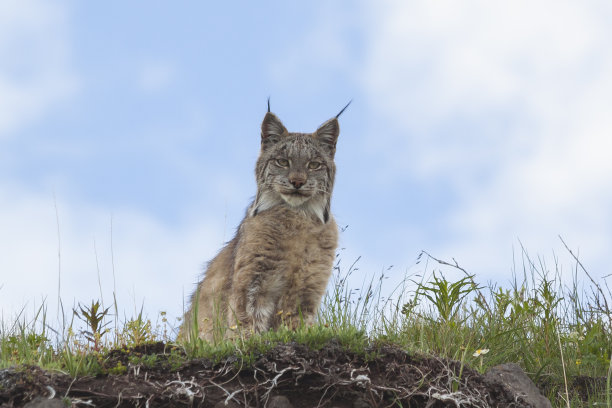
317 206
264 201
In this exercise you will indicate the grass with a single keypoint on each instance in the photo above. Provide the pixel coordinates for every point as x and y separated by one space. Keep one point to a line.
557 332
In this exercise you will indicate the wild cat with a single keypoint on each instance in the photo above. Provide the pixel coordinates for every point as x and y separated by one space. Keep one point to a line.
276 268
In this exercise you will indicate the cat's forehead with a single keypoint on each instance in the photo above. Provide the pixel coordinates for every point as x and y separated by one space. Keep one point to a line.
299 145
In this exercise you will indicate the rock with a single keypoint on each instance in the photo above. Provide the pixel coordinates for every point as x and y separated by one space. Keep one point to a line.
279 401
512 377
40 402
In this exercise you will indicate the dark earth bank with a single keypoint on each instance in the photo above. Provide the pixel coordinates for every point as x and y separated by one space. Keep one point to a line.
289 375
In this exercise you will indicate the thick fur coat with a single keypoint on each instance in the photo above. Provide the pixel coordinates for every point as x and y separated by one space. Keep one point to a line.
275 270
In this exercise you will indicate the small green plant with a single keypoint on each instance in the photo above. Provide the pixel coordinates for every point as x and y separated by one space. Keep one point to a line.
76 360
93 316
175 359
138 331
118 369
147 360
447 296
32 347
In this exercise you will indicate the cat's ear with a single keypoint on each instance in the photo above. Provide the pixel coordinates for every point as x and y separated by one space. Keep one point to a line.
272 130
327 135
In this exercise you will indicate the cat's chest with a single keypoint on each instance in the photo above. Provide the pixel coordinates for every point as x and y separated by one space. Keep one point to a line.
290 235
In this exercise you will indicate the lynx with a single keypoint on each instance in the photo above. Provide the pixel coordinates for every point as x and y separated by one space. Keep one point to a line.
276 268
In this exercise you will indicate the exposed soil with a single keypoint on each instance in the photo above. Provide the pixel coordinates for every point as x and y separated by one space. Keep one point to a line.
329 377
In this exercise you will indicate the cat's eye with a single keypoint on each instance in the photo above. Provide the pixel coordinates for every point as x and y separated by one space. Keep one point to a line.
314 165
282 162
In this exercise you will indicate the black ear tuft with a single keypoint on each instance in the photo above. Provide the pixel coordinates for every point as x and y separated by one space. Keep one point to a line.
272 129
337 116
269 105
327 135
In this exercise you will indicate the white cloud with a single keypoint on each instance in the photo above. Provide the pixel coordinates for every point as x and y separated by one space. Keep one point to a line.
533 82
34 61
153 262
431 62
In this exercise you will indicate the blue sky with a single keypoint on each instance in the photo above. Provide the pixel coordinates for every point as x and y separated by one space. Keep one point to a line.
474 125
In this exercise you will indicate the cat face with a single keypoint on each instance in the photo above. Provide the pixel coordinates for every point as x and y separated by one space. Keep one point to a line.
296 169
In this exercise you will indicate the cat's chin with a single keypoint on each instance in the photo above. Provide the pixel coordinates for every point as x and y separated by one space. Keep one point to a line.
295 200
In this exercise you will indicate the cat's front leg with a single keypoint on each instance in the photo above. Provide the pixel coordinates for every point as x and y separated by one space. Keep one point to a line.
257 287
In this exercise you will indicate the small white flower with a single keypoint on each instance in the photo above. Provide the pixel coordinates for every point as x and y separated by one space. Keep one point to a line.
480 352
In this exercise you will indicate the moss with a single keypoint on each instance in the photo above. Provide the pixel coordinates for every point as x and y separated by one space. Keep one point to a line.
118 369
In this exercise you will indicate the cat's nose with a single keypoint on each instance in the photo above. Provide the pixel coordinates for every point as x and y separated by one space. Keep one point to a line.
297 181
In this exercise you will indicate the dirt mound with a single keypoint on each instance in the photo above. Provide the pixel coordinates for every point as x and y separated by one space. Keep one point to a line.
329 377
